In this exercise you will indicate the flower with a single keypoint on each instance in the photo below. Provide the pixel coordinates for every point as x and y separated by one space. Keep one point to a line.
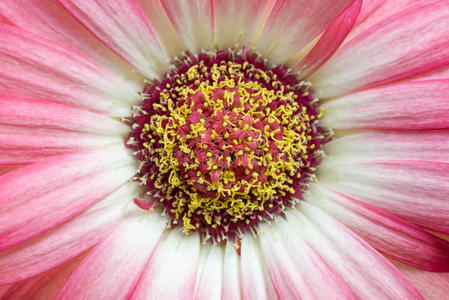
120 182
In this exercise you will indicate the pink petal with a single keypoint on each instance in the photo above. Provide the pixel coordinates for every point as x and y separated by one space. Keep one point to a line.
48 19
66 241
406 44
116 264
296 269
393 236
35 67
367 272
330 41
246 16
45 285
256 283
429 146
375 11
122 26
176 258
441 73
194 21
41 196
231 287
209 283
165 30
433 286
22 145
32 130
409 105
292 24
34 113
414 190
6 168
3 290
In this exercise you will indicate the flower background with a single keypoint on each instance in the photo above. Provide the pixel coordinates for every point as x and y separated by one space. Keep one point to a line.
375 225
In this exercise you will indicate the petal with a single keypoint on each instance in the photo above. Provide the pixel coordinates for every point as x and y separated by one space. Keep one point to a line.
246 16
414 190
57 190
122 26
34 113
330 41
406 44
409 105
289 261
368 273
397 238
177 258
256 283
19 145
292 24
375 11
48 19
32 130
210 271
66 241
231 287
46 285
441 73
38 68
156 14
194 21
4 290
433 286
429 146
116 264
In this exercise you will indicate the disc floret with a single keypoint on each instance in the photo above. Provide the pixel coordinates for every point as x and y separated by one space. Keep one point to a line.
225 142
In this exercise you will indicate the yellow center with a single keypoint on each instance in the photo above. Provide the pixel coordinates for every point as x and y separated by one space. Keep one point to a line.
279 147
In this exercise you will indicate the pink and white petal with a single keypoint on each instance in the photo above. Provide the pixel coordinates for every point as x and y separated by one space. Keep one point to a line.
210 273
368 8
433 286
406 106
256 283
38 68
38 113
441 73
330 41
23 145
289 261
32 130
165 30
367 272
393 236
45 285
375 11
237 21
123 28
414 190
177 258
58 189
116 264
194 22
50 20
231 286
407 44
68 240
292 24
406 145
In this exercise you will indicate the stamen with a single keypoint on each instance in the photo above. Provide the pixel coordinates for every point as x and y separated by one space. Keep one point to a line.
226 142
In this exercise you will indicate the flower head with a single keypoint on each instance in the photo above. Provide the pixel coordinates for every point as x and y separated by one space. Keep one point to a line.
209 149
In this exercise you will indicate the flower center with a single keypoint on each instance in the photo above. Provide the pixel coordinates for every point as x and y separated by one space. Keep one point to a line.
224 142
